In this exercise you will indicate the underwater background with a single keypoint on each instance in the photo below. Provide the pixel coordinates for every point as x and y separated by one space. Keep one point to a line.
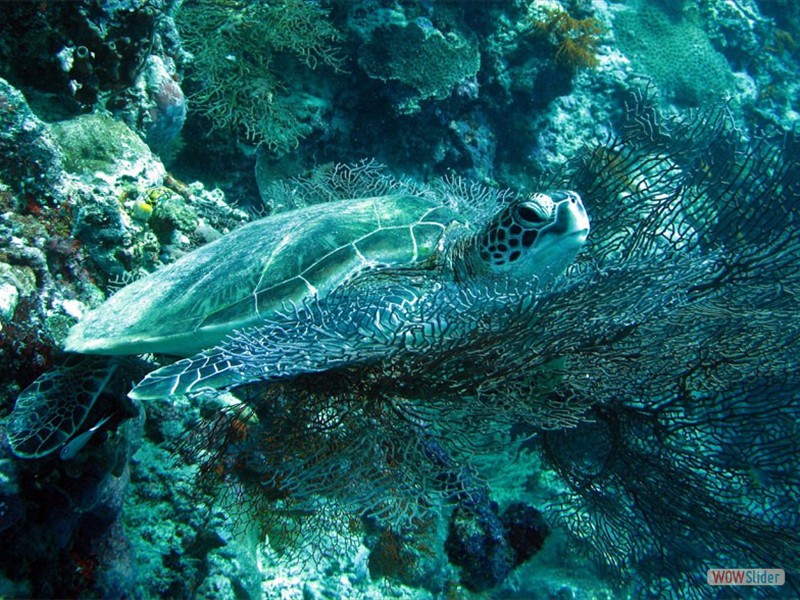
660 434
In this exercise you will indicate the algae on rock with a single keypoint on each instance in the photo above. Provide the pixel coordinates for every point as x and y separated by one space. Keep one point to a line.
96 144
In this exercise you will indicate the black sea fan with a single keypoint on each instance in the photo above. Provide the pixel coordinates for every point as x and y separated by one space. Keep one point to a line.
683 331
675 328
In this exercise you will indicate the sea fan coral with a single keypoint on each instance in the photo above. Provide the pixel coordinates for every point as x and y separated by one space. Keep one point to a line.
692 286
678 326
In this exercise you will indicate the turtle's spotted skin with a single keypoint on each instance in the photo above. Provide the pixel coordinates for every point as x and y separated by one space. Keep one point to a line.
340 284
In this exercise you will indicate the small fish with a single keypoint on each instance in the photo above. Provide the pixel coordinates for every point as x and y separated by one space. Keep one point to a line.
76 444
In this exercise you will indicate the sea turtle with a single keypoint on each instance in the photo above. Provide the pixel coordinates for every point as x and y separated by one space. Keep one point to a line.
332 285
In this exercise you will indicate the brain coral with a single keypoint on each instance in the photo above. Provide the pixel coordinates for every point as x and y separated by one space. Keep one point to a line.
675 52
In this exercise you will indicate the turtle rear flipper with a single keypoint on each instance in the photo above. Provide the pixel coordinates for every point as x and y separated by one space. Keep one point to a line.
54 407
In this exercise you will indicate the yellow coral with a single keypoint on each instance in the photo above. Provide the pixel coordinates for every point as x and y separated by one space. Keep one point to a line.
576 40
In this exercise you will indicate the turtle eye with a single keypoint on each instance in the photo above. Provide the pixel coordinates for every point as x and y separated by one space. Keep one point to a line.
530 215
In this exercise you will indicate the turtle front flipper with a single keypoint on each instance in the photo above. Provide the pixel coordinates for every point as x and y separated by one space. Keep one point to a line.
344 330
213 369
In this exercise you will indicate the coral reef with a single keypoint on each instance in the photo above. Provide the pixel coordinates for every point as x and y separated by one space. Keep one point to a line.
575 40
714 209
172 215
184 540
65 228
246 58
657 42
98 46
30 161
421 57
679 323
92 55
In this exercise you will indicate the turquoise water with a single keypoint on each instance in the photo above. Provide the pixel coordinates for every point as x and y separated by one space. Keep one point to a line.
520 319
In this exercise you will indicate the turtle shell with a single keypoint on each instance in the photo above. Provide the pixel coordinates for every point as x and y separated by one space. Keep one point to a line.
263 267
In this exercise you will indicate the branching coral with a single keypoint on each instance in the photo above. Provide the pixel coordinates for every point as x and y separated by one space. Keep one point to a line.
575 40
247 58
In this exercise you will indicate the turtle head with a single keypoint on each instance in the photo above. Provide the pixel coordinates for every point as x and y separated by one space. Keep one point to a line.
536 236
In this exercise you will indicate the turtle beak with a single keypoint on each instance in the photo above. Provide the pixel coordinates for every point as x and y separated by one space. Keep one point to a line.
571 220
